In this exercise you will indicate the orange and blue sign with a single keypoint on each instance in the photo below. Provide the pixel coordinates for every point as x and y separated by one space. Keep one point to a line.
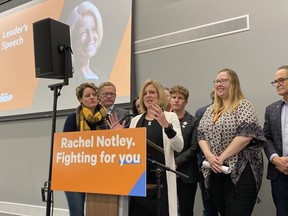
103 161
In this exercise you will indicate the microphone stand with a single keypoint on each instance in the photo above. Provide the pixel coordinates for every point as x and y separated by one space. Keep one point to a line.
120 121
125 117
167 168
158 178
160 168
56 88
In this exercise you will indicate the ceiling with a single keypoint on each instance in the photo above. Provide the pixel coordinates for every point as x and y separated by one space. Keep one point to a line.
9 4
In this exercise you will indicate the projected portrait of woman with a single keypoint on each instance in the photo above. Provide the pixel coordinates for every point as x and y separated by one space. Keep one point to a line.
86 29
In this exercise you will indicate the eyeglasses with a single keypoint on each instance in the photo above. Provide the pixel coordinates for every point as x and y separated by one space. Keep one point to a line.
222 81
280 81
106 94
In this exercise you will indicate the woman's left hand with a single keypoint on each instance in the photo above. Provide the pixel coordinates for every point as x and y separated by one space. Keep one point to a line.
215 164
114 122
159 115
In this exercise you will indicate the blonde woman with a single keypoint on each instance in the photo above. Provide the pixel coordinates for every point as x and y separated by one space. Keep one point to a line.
86 29
225 136
163 128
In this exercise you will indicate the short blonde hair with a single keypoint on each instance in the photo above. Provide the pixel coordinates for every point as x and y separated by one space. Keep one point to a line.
180 90
83 9
103 84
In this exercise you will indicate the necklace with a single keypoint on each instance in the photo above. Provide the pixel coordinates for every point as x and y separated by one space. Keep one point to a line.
149 119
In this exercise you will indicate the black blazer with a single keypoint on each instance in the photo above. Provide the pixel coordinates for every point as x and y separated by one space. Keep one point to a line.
186 160
273 134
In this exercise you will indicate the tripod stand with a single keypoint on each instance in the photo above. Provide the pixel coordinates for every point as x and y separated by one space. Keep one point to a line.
56 88
162 168
158 171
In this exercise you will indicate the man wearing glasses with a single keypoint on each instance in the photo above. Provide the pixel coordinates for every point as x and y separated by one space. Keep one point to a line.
107 96
276 149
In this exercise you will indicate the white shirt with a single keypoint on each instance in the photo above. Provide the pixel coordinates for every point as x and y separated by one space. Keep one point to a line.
284 128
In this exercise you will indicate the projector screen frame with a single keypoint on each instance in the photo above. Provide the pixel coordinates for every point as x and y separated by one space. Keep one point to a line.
64 112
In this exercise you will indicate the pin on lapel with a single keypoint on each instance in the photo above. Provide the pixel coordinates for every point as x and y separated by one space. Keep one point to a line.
184 124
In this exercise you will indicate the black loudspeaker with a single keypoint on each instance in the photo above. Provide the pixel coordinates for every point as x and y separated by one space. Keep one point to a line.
52 49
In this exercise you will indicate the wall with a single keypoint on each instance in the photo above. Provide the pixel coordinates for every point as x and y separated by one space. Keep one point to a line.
254 54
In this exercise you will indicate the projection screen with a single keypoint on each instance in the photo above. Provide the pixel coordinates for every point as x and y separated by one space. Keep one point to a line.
100 32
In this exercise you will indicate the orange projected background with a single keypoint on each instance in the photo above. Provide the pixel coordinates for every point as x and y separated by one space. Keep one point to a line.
22 93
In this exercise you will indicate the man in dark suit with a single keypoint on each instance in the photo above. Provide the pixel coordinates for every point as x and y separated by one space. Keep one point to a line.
107 96
276 148
186 160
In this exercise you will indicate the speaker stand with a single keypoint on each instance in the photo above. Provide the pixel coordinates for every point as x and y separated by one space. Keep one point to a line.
56 88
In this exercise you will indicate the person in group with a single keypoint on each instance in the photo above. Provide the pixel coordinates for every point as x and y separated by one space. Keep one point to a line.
86 30
276 150
186 160
163 129
200 112
168 95
229 134
89 115
207 199
107 97
136 106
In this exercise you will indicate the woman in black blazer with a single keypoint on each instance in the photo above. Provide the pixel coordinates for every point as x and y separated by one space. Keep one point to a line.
186 160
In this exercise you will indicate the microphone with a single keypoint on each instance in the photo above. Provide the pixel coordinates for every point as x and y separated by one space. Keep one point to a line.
122 119
125 117
168 168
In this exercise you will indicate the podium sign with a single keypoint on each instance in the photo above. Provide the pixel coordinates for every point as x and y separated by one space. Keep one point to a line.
104 162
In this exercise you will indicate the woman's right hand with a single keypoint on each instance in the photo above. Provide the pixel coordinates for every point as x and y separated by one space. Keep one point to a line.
215 163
